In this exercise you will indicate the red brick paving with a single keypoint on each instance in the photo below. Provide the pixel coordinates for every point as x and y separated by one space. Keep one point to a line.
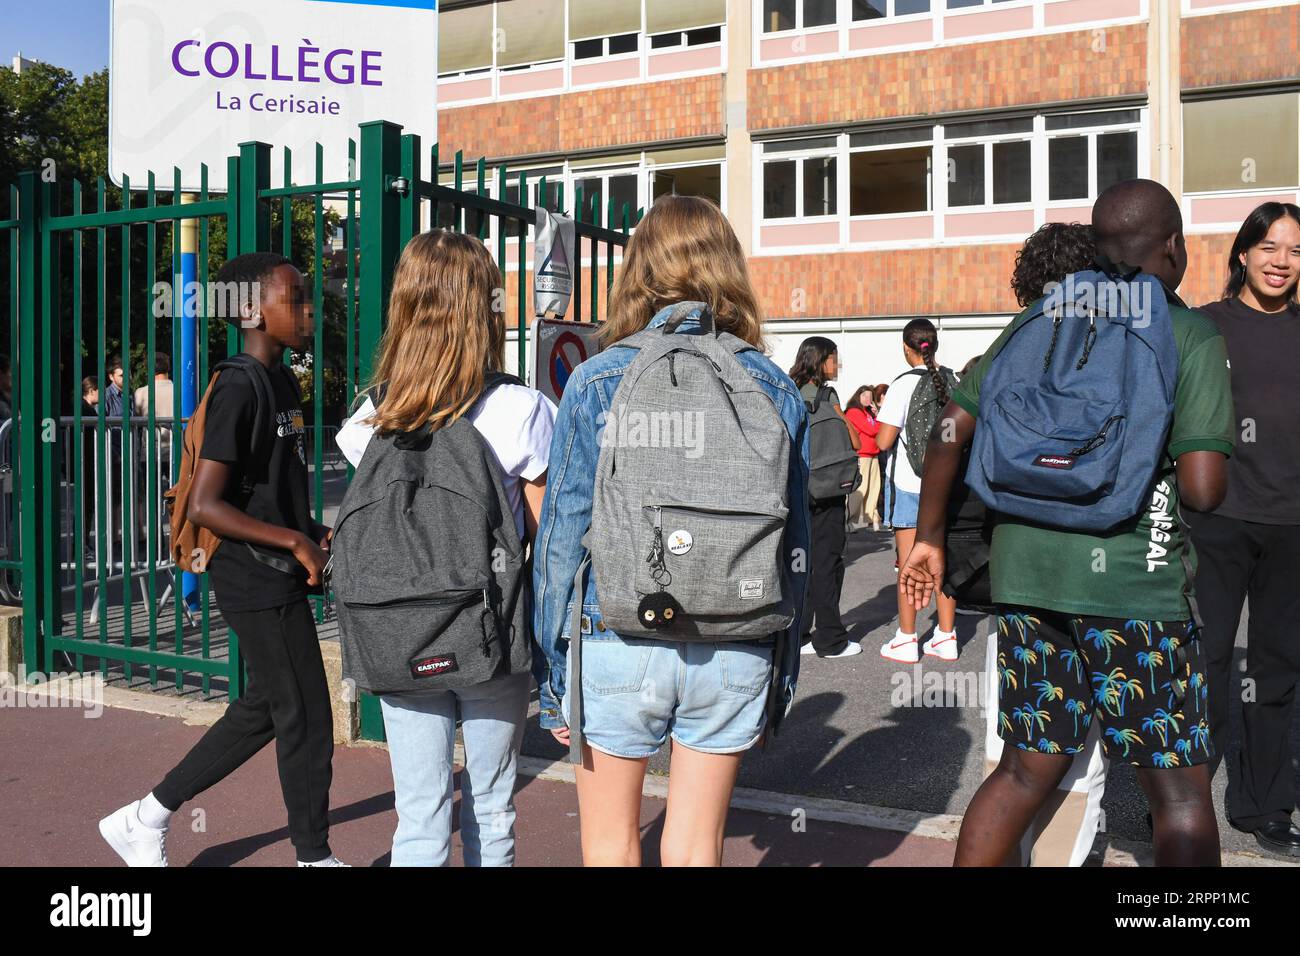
60 772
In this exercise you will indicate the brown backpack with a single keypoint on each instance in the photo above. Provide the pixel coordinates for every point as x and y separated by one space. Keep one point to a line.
193 546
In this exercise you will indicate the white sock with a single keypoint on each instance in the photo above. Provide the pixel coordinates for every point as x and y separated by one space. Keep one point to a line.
899 634
940 633
153 814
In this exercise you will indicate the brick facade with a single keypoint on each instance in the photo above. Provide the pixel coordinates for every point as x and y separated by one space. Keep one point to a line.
1247 46
642 114
950 280
975 76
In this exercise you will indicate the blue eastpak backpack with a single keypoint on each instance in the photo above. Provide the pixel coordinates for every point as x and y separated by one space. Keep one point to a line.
1076 407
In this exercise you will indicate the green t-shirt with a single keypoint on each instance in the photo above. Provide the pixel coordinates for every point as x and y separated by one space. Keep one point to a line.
1134 571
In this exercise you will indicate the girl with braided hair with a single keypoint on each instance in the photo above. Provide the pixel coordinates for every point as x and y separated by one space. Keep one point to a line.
903 487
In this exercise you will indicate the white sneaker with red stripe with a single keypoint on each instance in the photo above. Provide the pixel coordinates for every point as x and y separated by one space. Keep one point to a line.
942 644
903 648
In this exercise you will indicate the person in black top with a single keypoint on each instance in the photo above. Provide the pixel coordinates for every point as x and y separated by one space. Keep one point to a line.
270 554
1249 547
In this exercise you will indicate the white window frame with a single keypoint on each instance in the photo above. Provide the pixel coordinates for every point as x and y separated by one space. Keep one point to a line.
1090 133
604 173
988 142
931 198
1038 202
798 21
890 16
685 44
650 169
797 156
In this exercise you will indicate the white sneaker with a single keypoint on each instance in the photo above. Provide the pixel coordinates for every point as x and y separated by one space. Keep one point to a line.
806 649
942 645
851 649
328 861
135 843
903 648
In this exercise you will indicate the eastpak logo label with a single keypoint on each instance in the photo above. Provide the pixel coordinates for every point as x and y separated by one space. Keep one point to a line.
433 666
751 589
1064 462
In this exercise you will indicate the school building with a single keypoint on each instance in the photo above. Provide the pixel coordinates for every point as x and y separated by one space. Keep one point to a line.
884 159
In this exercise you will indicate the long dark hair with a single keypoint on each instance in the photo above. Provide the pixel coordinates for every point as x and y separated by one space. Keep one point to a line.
921 336
1051 253
1251 234
813 353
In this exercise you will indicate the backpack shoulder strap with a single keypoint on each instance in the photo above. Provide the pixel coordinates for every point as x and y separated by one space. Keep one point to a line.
262 390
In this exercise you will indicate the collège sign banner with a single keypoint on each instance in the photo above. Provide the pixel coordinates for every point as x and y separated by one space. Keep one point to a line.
189 80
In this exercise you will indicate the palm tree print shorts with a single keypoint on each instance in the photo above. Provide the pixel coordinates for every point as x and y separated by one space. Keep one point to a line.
1143 680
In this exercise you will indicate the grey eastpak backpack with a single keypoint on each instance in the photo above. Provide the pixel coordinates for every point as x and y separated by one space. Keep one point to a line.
689 508
429 570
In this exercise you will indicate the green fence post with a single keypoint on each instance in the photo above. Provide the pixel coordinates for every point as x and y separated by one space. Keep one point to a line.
254 213
410 200
382 223
29 417
381 229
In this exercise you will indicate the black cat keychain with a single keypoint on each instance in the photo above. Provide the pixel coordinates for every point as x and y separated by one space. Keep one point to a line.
658 610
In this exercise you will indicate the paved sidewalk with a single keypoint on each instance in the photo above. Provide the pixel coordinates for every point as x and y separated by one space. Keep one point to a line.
60 772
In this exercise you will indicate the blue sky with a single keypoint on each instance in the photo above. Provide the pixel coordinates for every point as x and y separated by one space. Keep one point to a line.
69 33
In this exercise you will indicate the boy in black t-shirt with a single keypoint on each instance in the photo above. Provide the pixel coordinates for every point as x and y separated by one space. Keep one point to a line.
271 552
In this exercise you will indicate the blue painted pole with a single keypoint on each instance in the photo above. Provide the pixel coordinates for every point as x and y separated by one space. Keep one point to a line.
188 376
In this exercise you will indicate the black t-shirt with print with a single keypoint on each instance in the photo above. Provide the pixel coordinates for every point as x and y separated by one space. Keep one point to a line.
273 490
1264 474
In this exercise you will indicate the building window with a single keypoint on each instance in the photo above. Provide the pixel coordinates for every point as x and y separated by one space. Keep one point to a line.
465 41
605 46
619 186
699 37
704 181
878 9
889 179
1246 142
529 32
1108 155
802 186
554 176
998 170
781 15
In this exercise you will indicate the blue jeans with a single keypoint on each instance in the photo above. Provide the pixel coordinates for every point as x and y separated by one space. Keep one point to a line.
421 733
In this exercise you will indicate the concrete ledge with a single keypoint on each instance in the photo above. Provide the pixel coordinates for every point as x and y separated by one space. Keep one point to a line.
11 640
343 703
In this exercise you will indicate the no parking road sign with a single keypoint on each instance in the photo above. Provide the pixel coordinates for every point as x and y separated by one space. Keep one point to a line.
558 348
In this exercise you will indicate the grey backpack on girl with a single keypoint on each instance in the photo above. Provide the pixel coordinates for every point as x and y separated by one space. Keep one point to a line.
689 507
429 572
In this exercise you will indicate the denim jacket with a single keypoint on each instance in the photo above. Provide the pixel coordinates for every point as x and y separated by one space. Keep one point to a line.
566 516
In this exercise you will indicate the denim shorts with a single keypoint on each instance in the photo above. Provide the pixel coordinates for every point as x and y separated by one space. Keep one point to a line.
637 692
906 505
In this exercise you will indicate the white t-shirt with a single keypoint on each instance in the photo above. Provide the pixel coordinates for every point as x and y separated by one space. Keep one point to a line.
894 412
516 422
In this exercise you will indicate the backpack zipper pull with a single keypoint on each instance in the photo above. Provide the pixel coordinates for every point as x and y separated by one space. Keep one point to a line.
672 367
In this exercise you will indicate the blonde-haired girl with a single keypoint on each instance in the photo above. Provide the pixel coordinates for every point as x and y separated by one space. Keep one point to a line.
444 338
715 700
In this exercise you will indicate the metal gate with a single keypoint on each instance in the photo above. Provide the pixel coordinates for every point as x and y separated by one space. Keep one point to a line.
82 526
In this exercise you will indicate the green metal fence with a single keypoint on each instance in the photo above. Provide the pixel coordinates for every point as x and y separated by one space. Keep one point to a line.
82 527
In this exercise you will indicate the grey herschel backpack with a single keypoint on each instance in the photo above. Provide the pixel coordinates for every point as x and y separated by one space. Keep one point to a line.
689 508
429 571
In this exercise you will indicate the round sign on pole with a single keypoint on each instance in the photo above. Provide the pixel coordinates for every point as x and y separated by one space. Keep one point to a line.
567 353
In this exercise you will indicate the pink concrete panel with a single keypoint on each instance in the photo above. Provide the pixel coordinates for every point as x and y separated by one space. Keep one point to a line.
992 21
802 234
1081 214
608 71
531 81
1083 11
887 33
892 229
685 61
457 91
808 44
1232 208
1018 222
1206 4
